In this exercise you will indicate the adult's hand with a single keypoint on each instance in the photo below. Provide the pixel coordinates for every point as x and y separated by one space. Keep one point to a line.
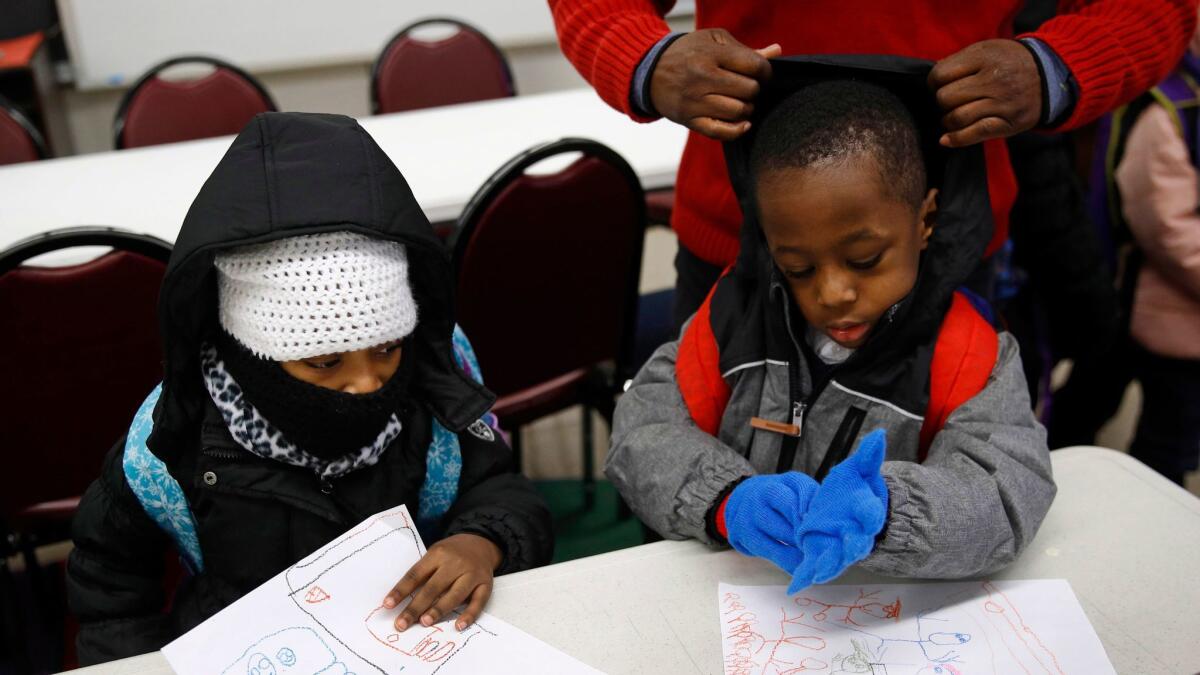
991 89
707 81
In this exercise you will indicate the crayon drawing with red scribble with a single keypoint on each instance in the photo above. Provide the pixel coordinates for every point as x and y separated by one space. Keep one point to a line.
934 629
324 616
329 588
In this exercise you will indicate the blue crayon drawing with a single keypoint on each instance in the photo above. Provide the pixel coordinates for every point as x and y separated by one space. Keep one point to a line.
291 651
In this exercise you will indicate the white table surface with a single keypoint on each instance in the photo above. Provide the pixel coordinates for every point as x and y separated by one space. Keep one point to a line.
1127 539
445 154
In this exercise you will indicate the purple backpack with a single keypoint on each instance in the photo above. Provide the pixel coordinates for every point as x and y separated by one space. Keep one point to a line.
1179 94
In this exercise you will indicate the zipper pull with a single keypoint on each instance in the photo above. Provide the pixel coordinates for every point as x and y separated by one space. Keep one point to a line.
798 409
792 429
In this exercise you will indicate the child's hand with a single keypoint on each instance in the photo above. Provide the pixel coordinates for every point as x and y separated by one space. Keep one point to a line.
452 570
763 512
845 514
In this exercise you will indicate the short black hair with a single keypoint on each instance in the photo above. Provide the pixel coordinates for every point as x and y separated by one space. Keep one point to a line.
840 119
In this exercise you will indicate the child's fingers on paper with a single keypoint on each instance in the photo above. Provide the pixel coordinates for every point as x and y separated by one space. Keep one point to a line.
413 578
426 596
479 598
453 597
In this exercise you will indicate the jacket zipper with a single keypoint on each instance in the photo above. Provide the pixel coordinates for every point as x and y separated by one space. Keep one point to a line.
220 453
800 402
787 450
798 408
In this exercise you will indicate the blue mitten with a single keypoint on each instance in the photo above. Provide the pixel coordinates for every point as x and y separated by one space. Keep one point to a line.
762 515
847 511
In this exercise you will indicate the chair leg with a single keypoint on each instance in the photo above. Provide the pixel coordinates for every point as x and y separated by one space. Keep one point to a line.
606 405
515 444
12 622
623 510
589 461
47 602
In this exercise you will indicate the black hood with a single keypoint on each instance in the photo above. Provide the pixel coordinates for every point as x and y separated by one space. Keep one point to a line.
963 224
289 174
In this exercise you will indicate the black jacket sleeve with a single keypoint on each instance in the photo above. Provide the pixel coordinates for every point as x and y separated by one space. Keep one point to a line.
496 502
115 572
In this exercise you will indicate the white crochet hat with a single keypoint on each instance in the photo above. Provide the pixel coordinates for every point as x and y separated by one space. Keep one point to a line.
317 294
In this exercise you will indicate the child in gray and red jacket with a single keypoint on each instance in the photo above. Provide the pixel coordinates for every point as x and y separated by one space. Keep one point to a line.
839 319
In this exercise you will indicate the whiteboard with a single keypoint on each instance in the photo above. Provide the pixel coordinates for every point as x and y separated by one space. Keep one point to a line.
112 42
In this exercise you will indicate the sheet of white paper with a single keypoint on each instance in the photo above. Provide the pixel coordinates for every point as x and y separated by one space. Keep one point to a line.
945 629
324 615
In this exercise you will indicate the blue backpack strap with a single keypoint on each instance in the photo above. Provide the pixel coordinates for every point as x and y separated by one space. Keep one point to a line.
156 490
443 461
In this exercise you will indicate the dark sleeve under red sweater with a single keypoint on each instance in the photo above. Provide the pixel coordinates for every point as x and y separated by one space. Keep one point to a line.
1115 49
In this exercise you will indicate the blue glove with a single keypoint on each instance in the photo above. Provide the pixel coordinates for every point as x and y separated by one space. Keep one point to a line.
847 511
762 515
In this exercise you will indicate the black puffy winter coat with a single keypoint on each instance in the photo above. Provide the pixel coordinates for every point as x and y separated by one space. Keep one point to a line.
285 175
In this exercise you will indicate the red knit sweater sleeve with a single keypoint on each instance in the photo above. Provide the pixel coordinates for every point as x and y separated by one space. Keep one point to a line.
1117 49
606 39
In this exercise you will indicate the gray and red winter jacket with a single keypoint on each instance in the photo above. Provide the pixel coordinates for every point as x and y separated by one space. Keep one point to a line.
965 497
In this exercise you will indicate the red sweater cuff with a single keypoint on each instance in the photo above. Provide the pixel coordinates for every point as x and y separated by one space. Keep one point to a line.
606 41
1117 50
720 518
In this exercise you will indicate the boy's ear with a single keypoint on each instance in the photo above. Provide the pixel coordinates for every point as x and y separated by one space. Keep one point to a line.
927 216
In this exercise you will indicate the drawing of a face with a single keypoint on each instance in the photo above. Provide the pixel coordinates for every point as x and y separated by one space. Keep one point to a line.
294 651
949 639
259 664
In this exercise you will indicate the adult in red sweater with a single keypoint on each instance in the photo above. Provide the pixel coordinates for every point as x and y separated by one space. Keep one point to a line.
990 86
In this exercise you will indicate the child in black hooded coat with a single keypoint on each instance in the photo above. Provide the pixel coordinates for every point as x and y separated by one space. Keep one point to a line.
291 411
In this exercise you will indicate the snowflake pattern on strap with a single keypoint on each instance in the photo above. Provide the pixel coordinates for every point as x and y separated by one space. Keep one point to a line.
158 492
464 355
443 463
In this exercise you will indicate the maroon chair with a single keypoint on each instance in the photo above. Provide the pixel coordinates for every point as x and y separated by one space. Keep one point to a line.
412 73
658 207
20 141
87 340
84 352
547 284
155 110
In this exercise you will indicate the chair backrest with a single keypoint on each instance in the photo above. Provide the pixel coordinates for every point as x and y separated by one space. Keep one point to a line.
548 265
83 351
413 73
156 110
20 141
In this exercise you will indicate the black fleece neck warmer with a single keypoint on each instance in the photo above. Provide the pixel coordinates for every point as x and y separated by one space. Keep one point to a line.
320 421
